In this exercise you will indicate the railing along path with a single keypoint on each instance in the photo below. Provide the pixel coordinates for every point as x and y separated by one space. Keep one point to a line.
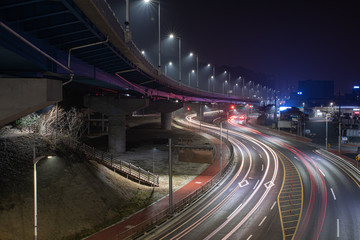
115 163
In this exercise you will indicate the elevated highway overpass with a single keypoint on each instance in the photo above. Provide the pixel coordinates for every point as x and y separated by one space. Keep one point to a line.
45 45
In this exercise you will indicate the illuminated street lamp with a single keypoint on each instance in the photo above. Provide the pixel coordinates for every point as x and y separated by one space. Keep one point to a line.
35 161
212 78
197 68
192 71
235 87
224 86
158 2
166 67
173 36
326 123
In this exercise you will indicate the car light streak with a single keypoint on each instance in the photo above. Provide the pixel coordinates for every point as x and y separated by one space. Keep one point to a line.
236 144
308 162
262 198
345 166
268 152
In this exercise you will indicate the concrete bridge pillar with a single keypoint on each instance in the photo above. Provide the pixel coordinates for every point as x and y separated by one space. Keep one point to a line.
117 133
165 108
116 108
166 120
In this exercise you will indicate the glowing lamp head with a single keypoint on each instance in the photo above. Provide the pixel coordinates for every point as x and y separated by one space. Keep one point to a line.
171 35
232 107
187 109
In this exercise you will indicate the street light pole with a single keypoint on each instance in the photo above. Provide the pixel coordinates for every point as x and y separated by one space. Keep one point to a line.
159 35
326 139
179 59
35 161
339 124
197 71
220 149
170 181
159 32
153 161
214 78
172 36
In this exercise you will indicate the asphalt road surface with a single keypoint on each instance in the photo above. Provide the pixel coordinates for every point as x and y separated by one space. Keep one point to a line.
276 189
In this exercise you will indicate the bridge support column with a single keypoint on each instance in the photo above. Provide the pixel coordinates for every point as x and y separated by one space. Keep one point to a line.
166 120
116 109
117 133
165 108
199 109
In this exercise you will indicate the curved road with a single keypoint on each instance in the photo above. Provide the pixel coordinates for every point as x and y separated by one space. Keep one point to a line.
277 189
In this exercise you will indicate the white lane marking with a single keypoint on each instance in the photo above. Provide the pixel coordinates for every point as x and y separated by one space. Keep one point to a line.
243 183
333 193
249 237
234 211
262 167
256 183
273 206
253 147
269 184
296 158
260 155
322 172
337 228
262 221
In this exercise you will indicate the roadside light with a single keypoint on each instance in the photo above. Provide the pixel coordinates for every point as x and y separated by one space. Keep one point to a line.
250 106
232 107
187 109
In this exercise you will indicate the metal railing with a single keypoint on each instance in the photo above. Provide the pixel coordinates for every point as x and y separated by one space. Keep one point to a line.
115 163
163 215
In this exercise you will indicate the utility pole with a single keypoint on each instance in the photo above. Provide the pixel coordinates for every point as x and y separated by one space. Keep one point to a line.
220 149
170 181
339 124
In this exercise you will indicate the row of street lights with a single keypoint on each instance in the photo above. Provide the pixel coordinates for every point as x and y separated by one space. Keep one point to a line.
227 82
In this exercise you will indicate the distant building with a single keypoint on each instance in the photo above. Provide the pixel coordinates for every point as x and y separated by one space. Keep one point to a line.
316 92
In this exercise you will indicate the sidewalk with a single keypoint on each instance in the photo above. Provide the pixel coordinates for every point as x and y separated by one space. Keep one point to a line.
146 217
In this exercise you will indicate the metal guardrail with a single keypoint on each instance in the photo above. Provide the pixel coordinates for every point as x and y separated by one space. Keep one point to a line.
163 215
115 163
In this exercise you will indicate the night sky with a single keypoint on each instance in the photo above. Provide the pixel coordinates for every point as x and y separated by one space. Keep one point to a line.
287 40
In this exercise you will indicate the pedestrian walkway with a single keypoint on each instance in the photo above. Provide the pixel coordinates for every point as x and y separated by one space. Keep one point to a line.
158 212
